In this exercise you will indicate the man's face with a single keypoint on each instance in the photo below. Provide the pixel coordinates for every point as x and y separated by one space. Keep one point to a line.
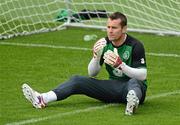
114 29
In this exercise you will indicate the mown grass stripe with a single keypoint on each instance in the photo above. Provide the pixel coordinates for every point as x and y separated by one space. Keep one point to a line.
76 48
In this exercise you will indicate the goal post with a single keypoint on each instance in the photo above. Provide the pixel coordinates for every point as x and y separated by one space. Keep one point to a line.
25 17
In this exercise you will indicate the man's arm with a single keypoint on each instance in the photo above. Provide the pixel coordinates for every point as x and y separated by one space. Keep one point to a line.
138 73
94 65
115 61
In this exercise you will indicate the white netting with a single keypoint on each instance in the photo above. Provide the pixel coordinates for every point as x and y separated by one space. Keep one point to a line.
21 17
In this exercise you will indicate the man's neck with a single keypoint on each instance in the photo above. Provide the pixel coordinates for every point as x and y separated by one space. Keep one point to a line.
120 41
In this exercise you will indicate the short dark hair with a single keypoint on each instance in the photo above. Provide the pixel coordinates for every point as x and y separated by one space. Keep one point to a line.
118 15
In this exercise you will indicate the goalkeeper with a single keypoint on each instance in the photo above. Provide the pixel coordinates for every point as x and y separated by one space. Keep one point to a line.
124 58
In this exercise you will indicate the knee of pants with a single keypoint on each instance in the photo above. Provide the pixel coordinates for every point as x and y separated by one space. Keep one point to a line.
134 84
74 77
78 80
134 81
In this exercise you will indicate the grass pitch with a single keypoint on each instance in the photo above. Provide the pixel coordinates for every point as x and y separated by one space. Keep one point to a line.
46 67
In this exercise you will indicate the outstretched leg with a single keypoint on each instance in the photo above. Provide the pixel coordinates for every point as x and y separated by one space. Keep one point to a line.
104 90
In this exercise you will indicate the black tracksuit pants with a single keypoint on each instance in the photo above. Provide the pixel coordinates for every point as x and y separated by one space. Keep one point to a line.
110 91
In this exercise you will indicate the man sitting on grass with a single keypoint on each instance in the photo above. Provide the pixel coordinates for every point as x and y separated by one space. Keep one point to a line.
124 58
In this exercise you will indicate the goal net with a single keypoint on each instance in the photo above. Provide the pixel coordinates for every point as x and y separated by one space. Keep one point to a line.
24 17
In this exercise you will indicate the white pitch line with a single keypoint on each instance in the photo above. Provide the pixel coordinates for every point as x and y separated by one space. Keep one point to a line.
163 95
163 54
43 46
75 48
34 120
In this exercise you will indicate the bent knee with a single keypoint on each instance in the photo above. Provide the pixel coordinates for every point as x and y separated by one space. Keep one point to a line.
76 78
134 82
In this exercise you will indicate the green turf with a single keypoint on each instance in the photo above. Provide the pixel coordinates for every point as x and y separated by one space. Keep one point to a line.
45 68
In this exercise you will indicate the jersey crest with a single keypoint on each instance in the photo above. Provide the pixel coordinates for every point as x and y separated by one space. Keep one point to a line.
126 55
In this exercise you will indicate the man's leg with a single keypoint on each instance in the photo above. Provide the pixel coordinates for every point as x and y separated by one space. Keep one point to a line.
138 87
136 93
104 90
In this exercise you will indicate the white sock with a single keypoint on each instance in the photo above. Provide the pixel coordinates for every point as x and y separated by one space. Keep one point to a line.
49 97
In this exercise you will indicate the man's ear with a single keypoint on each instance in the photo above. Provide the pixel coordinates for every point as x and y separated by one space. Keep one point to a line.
124 30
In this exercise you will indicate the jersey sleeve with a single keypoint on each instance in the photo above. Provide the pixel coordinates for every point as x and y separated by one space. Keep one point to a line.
138 56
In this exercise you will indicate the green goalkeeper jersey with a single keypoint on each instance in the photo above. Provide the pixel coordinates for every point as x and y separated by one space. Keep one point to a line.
131 52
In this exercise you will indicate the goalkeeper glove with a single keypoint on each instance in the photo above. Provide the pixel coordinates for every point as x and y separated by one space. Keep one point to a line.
112 58
98 48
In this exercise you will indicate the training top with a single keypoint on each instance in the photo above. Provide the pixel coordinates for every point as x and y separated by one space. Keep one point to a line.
131 52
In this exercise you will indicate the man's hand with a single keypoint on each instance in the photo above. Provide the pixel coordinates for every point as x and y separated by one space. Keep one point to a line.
98 48
112 59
